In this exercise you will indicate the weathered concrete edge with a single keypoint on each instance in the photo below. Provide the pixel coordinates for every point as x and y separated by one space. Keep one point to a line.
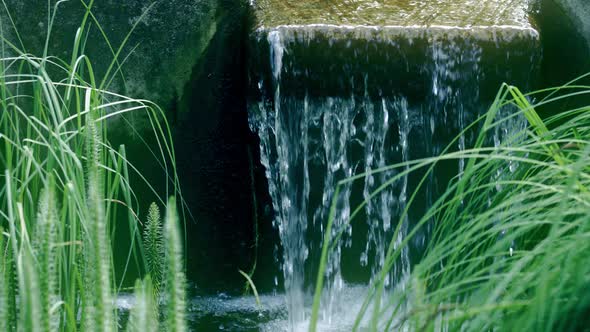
579 14
410 31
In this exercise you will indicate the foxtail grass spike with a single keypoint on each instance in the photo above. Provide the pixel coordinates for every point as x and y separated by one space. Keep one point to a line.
44 245
30 305
9 279
175 279
144 315
154 247
4 313
99 314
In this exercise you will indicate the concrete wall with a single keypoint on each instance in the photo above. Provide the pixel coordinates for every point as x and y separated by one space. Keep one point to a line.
579 11
167 43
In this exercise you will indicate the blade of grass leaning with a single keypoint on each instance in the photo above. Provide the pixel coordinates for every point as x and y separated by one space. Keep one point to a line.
253 287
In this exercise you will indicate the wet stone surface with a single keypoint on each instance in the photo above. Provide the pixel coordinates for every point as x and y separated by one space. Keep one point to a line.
394 12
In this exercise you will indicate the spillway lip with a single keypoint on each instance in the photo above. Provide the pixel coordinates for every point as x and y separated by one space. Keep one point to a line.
478 32
464 13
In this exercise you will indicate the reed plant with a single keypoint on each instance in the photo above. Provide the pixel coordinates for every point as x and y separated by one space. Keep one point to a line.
64 189
509 250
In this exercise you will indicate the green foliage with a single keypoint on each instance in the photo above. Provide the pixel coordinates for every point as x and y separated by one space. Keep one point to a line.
3 297
64 189
163 253
509 252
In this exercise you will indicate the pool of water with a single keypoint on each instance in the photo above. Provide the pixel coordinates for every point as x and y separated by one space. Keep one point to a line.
223 312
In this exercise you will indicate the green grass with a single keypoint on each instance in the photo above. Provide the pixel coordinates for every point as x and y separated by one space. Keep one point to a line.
65 190
509 252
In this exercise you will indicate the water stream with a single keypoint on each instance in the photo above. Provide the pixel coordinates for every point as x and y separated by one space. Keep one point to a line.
340 102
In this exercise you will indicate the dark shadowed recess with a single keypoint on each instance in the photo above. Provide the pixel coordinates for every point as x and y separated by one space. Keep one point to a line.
219 164
565 53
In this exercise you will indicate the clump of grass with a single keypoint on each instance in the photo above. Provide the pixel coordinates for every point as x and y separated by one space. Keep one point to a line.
507 253
63 189
163 250
513 255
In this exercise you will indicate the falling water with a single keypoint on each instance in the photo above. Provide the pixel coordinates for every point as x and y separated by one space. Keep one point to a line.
342 102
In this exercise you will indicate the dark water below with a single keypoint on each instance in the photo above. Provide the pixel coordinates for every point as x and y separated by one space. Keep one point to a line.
225 312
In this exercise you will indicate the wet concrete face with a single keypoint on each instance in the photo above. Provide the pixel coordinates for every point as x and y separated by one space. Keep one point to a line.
579 12
565 38
566 53
169 39
218 161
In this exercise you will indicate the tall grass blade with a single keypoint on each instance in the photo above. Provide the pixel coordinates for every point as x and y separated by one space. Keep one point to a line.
253 287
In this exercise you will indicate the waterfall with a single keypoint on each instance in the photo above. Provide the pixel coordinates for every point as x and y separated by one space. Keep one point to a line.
333 102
